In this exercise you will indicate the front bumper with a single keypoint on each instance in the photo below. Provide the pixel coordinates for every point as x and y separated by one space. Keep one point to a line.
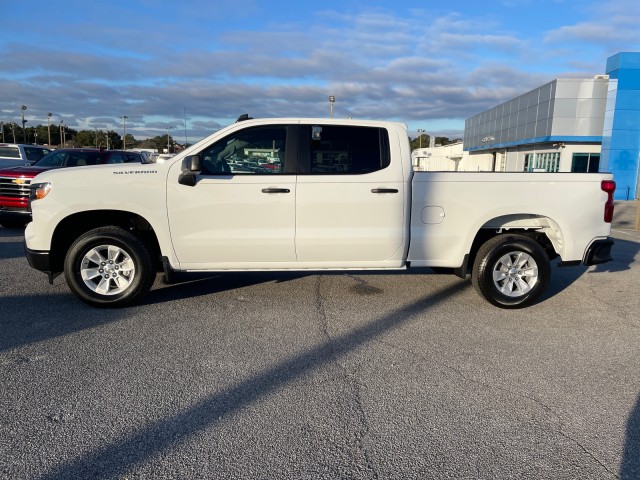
40 260
10 213
599 252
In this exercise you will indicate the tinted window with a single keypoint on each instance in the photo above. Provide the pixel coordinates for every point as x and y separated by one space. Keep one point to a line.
35 154
253 151
70 159
54 159
115 158
348 150
9 152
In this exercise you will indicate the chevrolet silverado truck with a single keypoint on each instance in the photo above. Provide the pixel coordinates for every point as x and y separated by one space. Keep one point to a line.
311 195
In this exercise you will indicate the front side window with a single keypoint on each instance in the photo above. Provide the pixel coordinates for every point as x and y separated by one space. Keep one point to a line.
347 150
253 151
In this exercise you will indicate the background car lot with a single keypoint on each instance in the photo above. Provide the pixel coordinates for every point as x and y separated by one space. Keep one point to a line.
323 376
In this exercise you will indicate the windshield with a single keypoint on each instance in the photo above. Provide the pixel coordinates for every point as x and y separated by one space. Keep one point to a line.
70 159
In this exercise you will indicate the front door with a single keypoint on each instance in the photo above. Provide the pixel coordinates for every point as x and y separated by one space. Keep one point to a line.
241 212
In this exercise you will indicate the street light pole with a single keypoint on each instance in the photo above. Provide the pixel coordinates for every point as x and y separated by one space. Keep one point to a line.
2 127
49 126
124 132
168 144
332 100
24 133
420 132
61 139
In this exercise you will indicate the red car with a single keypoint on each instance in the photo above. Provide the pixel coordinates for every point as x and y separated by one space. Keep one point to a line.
15 181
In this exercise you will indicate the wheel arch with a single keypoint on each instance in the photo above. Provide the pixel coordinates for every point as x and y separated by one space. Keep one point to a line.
540 228
77 224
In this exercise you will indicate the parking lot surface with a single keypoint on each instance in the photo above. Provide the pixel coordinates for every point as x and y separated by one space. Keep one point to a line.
293 375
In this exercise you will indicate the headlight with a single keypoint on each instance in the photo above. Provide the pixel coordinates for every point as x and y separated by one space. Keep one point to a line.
37 191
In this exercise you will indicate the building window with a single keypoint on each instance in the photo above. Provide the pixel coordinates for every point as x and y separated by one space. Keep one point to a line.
542 162
585 162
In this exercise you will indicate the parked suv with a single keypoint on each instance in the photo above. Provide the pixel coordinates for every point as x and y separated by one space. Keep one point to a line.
15 181
19 154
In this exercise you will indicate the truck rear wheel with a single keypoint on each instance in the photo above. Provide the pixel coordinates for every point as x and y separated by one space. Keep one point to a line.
109 267
511 271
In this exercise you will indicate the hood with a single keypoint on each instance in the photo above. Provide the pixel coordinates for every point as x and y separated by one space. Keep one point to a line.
23 171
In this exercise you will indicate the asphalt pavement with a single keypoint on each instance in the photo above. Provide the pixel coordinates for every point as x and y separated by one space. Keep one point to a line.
291 375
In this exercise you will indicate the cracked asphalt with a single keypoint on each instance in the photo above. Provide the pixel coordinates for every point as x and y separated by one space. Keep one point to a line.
303 376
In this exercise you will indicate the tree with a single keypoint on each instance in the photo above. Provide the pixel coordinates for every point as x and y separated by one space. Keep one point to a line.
416 142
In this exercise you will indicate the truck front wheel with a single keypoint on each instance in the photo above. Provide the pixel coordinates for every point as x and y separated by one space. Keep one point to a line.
511 271
109 267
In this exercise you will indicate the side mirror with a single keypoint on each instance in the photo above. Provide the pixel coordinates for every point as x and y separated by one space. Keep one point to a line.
191 167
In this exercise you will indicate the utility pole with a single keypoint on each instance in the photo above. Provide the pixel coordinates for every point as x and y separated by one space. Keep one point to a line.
49 126
124 132
24 132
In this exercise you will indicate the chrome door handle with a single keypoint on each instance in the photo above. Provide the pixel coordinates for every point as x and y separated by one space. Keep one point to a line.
384 190
275 190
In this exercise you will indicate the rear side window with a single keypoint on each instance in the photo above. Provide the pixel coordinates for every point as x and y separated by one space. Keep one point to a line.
9 152
347 150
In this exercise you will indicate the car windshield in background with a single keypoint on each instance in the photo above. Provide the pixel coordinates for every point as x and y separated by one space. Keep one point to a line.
70 159
35 153
77 158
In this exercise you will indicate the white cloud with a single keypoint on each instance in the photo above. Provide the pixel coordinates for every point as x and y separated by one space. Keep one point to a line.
414 65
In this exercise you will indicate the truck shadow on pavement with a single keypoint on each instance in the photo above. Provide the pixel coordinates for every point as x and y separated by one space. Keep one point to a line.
630 464
118 458
624 253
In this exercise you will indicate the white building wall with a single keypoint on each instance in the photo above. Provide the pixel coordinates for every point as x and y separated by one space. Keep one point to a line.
454 158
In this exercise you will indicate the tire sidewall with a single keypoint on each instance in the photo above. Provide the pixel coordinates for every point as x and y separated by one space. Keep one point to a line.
486 262
107 236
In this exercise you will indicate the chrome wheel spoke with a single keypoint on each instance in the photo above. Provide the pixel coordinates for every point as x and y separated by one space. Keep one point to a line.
107 269
515 274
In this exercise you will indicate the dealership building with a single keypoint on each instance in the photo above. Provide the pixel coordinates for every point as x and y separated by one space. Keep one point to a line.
566 125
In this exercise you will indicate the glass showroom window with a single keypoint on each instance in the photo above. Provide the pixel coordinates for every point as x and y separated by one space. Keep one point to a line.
542 162
585 162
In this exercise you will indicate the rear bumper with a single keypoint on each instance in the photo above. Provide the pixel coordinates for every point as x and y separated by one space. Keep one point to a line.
599 252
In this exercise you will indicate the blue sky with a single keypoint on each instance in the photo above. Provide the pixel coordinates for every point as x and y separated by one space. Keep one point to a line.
428 64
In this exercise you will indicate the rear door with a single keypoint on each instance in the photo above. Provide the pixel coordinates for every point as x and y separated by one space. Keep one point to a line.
350 199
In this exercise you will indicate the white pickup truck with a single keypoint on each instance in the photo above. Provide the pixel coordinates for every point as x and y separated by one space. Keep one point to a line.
311 195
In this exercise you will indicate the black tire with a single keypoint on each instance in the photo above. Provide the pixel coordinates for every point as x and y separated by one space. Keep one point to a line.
109 267
516 285
13 224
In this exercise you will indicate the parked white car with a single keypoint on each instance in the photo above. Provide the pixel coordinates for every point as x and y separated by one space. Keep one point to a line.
18 154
